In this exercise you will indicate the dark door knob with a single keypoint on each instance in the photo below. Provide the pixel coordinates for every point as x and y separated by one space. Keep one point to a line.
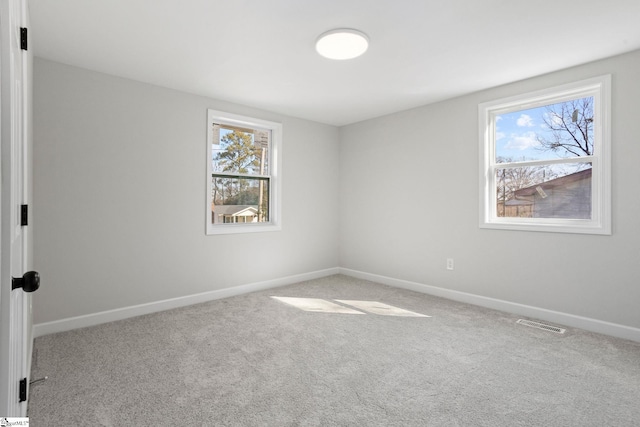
29 282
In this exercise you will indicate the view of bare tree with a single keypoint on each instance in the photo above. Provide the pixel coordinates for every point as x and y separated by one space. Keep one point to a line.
511 179
571 128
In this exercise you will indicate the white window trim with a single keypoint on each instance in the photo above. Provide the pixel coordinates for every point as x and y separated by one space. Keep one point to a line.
275 190
600 222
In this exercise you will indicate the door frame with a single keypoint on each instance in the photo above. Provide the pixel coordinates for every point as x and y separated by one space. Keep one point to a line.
16 339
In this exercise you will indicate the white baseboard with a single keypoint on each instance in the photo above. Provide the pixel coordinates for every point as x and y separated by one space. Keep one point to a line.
70 323
589 324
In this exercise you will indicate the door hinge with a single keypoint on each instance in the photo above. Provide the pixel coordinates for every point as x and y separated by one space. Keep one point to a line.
23 38
24 215
23 390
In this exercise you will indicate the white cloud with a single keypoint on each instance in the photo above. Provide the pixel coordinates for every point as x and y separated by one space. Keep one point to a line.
525 121
553 118
500 135
522 142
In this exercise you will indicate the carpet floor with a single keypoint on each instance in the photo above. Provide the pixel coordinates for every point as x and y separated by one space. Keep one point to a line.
320 356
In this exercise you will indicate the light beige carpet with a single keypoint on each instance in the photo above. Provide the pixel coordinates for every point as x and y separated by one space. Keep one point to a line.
254 360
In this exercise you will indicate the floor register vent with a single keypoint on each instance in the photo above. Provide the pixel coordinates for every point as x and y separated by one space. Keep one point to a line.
541 326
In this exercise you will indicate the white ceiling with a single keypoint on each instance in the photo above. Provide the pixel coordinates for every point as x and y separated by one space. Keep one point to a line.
261 53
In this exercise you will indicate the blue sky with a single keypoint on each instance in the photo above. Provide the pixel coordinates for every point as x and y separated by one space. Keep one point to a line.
517 138
516 135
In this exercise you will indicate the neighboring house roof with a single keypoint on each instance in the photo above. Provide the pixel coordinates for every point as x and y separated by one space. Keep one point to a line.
554 183
235 210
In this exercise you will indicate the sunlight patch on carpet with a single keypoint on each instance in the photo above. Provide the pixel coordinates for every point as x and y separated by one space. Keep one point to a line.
380 308
347 307
317 305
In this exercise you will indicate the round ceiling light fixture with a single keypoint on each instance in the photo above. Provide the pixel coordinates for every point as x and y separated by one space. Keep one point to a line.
342 44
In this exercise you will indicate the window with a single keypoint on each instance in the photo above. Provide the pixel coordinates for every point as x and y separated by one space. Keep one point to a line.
243 184
545 160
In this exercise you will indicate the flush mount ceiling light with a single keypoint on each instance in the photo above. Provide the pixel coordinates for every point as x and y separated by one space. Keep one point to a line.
342 44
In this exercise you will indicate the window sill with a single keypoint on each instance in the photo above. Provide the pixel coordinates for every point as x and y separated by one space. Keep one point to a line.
544 225
242 228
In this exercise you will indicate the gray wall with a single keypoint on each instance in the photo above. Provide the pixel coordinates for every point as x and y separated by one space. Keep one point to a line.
409 200
119 191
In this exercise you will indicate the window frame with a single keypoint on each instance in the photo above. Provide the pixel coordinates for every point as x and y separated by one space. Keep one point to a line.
600 223
274 176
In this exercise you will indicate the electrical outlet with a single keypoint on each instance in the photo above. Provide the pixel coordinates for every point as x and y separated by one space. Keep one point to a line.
449 263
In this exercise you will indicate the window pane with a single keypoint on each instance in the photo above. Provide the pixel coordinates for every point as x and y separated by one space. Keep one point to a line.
239 200
554 191
240 150
562 130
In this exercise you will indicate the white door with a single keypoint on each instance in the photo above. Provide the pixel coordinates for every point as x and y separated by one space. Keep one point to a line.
15 304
